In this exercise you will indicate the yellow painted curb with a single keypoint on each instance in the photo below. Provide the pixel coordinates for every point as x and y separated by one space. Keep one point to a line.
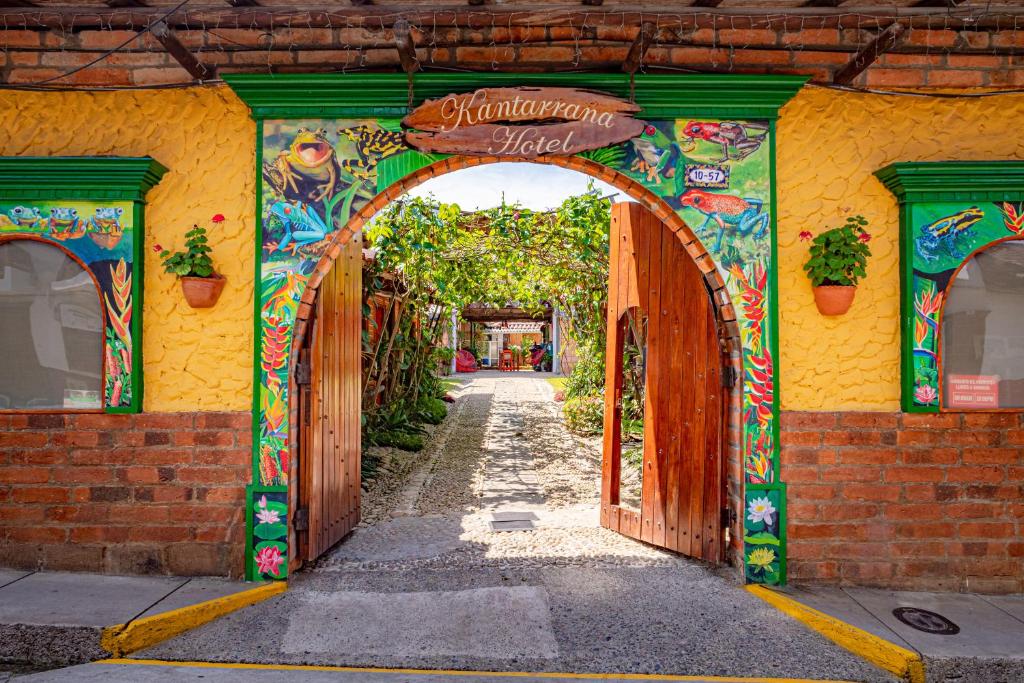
455 672
123 639
895 659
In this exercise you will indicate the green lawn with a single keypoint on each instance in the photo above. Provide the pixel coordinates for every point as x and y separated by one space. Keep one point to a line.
557 382
448 383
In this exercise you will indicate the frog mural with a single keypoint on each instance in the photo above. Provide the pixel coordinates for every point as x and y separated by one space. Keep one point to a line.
307 170
740 216
105 226
65 224
309 192
945 233
942 236
108 256
738 140
22 219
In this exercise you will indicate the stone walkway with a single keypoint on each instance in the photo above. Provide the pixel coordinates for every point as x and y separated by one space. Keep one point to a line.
503 456
430 585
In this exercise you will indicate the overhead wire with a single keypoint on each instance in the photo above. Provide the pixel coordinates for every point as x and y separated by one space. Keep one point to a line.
579 33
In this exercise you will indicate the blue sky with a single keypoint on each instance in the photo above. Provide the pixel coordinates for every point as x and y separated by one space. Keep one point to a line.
534 186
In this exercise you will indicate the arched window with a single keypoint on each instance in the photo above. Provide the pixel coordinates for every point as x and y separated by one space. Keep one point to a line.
982 339
51 337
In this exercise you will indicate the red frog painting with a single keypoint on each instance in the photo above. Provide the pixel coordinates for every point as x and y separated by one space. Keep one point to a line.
738 140
742 215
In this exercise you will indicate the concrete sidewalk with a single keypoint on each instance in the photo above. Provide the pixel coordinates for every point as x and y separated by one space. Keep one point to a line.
57 618
987 645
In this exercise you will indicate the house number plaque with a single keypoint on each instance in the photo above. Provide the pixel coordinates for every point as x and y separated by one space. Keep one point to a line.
521 122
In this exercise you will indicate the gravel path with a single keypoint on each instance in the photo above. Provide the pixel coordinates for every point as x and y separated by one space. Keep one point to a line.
503 447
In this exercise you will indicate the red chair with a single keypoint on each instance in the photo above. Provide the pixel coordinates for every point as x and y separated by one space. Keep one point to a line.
506 365
464 361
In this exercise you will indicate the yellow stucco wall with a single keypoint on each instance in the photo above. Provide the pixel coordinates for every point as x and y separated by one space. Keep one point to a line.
829 144
193 359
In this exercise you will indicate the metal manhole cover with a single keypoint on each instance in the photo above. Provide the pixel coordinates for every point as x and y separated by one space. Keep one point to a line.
926 621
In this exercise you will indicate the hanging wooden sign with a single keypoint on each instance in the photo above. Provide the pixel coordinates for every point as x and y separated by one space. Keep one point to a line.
552 121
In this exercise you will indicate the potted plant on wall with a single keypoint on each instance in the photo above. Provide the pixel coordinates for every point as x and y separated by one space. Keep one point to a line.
200 283
838 259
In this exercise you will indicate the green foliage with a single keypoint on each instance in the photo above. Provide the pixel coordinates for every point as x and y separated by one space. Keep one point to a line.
195 262
587 377
401 440
839 256
608 156
584 414
445 259
432 410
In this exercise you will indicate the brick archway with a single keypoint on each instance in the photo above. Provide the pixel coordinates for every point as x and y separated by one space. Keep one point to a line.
705 263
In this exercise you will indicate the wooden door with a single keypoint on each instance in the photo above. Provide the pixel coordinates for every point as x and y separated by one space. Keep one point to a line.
680 478
329 374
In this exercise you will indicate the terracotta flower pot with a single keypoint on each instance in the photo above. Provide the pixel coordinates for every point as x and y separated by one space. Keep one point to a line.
202 292
834 299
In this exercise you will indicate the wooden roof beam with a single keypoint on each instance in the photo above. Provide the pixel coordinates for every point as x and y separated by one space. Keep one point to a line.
997 16
883 42
706 3
635 56
180 53
406 48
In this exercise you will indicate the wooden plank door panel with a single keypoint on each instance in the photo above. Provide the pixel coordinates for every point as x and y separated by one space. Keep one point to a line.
329 448
682 491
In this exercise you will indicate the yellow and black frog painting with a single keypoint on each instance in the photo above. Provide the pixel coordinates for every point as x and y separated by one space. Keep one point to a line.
309 159
372 144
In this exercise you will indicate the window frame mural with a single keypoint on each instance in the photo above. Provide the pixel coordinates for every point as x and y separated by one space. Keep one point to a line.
736 139
949 212
92 208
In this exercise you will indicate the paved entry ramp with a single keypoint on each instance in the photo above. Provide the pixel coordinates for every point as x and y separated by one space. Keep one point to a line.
436 588
481 622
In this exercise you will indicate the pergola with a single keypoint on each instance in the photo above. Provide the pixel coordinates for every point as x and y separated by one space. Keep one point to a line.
163 42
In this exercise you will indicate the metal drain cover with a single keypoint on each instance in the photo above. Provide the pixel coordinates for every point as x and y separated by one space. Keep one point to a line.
923 620
511 525
512 520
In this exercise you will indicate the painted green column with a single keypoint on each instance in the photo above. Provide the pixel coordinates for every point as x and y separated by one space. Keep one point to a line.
714 140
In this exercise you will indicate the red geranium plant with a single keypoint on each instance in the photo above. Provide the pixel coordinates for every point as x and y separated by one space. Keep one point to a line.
200 282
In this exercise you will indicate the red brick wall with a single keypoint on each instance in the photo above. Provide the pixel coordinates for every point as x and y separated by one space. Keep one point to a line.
923 59
156 493
909 501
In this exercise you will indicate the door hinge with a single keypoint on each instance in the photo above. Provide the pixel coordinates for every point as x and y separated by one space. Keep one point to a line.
728 517
728 377
300 520
303 375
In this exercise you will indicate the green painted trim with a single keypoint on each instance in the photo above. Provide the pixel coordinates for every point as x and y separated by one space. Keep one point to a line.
773 311
907 315
783 519
138 281
104 179
954 181
257 290
247 560
98 178
250 493
383 95
937 181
